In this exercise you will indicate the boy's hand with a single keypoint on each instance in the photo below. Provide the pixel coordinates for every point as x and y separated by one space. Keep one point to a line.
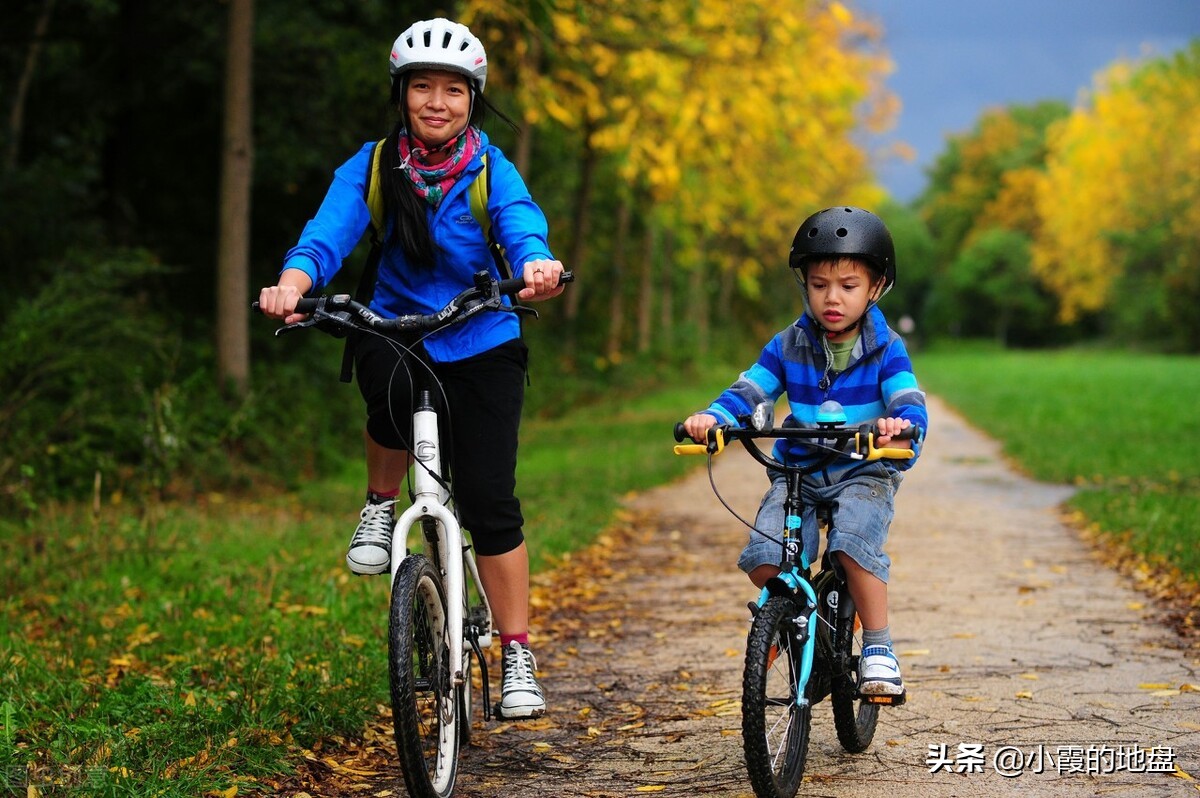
697 426
889 427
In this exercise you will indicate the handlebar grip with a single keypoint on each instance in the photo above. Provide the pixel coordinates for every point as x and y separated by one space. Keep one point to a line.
680 432
513 285
912 433
306 304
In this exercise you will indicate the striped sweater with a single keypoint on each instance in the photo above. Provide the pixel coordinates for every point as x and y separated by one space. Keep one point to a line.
877 382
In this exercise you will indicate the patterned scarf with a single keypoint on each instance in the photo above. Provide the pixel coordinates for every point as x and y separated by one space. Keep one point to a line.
433 181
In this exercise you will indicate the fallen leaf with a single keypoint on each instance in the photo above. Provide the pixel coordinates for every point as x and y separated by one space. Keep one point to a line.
1026 695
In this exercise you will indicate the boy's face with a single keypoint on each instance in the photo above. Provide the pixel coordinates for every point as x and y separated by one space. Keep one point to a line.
838 294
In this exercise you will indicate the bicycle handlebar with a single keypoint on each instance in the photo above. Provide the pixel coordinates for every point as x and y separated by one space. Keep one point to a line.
340 311
862 438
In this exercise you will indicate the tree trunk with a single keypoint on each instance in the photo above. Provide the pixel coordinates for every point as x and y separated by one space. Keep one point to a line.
16 114
666 310
698 305
237 164
646 291
616 296
580 222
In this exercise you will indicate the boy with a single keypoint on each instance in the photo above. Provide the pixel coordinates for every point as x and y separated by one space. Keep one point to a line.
840 349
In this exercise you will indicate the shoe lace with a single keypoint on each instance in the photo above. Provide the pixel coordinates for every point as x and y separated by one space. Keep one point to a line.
519 666
375 524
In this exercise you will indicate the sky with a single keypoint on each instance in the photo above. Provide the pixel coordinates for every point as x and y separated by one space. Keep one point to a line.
953 59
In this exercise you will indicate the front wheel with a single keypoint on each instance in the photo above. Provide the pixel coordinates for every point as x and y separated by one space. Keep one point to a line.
425 706
775 726
854 718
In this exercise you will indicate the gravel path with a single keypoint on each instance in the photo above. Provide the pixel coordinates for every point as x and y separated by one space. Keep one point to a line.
1021 651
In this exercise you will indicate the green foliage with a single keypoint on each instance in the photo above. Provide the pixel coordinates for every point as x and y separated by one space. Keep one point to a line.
103 393
990 291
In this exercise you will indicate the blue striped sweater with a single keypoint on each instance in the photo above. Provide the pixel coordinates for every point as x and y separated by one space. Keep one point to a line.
878 382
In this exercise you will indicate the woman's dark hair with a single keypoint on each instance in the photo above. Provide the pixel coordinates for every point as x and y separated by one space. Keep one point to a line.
401 203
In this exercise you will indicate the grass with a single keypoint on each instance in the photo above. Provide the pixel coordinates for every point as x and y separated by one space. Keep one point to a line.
1116 424
195 649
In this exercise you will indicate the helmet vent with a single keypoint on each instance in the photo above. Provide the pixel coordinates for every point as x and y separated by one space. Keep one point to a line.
813 233
842 232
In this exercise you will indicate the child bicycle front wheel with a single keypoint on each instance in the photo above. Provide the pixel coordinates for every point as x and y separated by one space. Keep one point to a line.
775 725
425 705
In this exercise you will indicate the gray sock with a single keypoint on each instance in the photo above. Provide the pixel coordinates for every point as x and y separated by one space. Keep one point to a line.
877 637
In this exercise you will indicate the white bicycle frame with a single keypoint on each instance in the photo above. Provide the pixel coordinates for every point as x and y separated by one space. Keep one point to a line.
430 498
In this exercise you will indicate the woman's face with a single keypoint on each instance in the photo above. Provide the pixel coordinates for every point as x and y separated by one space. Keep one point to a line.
439 106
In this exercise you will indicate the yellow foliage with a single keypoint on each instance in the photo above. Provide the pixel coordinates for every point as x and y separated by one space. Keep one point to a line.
1127 163
741 124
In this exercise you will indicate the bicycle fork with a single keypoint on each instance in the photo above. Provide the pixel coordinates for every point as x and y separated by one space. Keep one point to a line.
429 502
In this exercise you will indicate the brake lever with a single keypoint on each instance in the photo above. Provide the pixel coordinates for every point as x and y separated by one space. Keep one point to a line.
337 324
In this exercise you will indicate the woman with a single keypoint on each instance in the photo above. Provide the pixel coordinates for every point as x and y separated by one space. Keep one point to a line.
432 248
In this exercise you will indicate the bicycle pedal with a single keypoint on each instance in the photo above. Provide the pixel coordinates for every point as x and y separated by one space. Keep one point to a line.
886 700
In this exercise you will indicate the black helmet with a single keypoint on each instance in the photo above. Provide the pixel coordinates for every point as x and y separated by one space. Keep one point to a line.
844 230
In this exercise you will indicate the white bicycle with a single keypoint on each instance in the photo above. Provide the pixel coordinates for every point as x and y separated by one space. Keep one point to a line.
440 618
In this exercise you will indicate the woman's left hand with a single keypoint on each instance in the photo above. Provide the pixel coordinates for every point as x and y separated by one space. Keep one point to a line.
541 280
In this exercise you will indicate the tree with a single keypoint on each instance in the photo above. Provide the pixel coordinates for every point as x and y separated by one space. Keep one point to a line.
237 163
1120 201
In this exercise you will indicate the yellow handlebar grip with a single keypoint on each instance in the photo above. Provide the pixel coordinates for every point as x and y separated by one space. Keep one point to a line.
702 448
886 452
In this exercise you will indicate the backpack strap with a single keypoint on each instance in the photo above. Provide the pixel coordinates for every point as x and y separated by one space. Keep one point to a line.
479 190
378 229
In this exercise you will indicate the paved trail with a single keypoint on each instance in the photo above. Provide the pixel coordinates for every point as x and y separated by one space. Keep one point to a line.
1013 638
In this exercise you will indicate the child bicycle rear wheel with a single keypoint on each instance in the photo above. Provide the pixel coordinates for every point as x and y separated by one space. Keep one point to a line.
854 717
425 703
775 727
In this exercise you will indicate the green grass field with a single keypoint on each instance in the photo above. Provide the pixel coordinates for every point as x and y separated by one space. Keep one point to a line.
183 650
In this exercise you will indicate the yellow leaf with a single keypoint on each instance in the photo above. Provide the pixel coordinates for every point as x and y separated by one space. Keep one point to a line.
1153 686
651 788
841 14
1026 695
542 746
915 652
1033 677
1135 605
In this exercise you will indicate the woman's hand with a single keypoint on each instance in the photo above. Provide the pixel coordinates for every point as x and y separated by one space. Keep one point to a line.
279 301
541 280
889 427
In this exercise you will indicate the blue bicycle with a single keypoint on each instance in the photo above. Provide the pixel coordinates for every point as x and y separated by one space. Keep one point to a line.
802 645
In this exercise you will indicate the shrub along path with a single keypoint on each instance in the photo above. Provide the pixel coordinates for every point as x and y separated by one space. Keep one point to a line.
1016 642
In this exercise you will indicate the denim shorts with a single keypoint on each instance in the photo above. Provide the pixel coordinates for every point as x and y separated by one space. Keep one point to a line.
864 504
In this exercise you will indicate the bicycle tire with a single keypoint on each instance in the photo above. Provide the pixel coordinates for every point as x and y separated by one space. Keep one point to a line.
425 707
775 729
854 718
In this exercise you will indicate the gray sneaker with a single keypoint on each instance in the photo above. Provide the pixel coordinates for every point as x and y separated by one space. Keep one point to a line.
371 547
520 694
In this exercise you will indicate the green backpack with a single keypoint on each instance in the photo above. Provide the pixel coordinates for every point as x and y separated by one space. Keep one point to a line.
479 190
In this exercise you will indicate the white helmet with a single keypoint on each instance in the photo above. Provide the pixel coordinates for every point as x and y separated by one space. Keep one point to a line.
440 44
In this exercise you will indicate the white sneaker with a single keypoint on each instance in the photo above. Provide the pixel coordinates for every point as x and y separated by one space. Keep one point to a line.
520 694
879 672
371 547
